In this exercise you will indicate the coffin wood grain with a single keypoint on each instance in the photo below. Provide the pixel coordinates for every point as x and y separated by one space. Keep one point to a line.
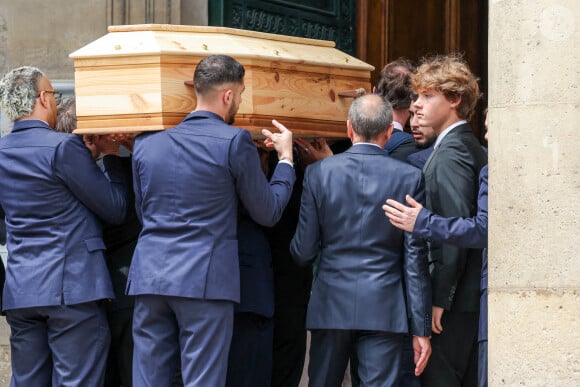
132 79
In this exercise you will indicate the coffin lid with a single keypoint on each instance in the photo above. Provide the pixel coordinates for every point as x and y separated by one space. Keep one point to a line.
134 78
148 39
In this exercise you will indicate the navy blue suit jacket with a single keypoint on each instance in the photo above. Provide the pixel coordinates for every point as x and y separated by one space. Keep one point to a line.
462 232
419 158
187 181
52 192
400 145
364 260
256 274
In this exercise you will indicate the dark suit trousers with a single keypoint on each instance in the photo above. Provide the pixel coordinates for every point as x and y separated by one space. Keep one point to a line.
482 369
165 327
453 362
379 357
250 358
120 360
407 376
289 346
59 345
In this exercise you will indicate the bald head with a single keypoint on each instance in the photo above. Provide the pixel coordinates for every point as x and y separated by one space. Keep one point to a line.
370 116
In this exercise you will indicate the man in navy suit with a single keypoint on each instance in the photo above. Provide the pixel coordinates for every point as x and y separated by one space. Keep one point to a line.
447 95
394 85
461 232
358 301
120 241
52 192
185 274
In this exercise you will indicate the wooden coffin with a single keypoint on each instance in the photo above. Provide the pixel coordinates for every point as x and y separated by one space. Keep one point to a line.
133 79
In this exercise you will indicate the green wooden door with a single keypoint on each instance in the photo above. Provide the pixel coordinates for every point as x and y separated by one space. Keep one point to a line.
316 19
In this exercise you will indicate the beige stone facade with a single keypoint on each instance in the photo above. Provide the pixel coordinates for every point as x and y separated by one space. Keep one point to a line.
534 100
534 177
44 33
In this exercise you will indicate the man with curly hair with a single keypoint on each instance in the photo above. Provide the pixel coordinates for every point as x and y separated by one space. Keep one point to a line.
447 95
55 198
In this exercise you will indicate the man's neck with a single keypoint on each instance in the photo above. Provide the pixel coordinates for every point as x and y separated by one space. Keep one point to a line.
215 108
32 117
378 142
401 116
450 121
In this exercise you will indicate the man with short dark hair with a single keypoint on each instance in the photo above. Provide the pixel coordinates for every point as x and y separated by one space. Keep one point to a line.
394 85
189 181
358 301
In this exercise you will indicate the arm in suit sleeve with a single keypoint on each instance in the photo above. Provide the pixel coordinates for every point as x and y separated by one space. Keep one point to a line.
455 193
417 279
305 244
265 201
107 198
137 188
460 232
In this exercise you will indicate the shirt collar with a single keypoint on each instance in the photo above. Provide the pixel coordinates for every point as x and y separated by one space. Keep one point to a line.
397 125
449 128
367 143
203 114
26 124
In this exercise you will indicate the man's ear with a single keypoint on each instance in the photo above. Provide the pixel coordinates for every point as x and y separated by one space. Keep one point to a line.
349 130
43 99
389 132
455 101
227 96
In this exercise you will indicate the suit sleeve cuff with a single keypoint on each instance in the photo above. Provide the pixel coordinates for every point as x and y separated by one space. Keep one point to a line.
290 163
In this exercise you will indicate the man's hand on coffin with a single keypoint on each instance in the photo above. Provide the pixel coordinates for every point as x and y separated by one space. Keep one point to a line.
282 141
125 139
312 152
106 144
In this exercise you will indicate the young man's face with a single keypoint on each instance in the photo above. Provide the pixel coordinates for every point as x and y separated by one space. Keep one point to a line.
434 110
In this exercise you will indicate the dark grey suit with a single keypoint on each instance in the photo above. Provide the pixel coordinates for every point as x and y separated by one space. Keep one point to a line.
451 186
358 299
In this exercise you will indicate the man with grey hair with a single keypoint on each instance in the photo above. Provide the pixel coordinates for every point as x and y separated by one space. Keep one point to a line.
53 195
366 265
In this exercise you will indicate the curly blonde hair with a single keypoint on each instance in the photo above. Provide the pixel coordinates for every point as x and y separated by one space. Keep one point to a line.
450 75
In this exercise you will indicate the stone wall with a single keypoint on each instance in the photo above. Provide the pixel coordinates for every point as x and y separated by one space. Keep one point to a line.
534 164
44 33
534 176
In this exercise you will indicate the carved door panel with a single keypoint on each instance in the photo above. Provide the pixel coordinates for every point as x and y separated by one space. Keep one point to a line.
317 19
390 29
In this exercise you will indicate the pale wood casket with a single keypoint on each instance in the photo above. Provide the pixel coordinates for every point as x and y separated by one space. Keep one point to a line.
133 79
